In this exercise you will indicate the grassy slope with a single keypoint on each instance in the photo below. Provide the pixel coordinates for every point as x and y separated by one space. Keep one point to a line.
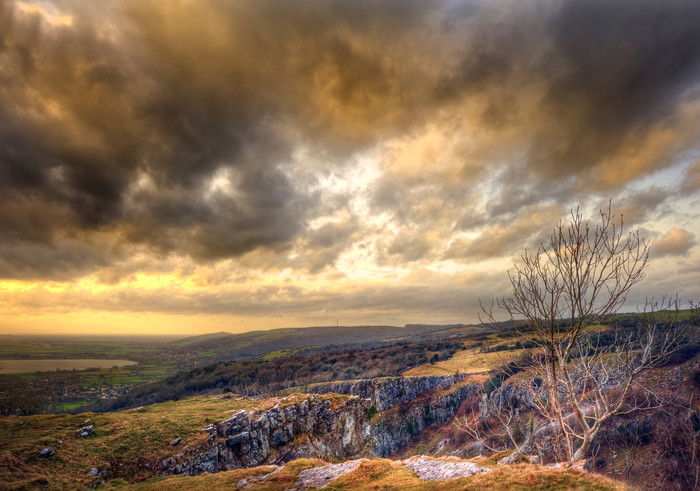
388 474
123 441
464 361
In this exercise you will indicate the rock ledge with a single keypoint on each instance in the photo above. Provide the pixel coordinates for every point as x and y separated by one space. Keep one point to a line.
435 470
320 477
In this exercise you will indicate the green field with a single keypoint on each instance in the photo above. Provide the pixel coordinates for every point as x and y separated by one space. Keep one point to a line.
31 366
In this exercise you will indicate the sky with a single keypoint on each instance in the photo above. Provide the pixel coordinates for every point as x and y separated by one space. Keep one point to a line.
196 166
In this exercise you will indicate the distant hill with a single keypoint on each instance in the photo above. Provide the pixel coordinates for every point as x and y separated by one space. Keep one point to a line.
228 346
202 338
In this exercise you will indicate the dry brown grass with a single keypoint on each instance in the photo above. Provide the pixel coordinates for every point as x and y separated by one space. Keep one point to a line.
392 475
221 480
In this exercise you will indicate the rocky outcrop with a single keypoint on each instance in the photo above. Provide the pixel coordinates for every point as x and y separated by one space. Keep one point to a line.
320 477
47 452
387 392
380 418
316 427
436 470
393 429
425 468
405 406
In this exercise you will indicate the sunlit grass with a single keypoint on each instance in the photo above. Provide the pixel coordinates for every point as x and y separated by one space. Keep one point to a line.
387 474
464 361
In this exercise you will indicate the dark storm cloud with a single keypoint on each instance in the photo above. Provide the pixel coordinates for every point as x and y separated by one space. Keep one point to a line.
117 118
593 92
177 92
618 69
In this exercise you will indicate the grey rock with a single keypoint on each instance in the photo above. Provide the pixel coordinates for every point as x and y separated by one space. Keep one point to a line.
387 392
47 452
509 459
247 440
244 484
281 436
86 430
237 439
320 477
433 470
175 441
315 428
392 431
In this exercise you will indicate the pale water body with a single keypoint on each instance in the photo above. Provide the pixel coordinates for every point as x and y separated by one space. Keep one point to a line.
31 366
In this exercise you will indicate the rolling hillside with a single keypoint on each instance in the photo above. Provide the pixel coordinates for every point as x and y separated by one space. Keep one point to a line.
254 343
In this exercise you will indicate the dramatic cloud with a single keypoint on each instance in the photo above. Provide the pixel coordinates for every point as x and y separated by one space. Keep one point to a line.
691 182
292 147
675 243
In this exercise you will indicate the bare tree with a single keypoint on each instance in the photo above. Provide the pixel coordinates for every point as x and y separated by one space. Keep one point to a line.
564 292
506 414
499 424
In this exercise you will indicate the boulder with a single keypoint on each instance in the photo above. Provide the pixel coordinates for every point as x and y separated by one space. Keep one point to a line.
86 430
47 452
435 470
320 477
509 459
175 441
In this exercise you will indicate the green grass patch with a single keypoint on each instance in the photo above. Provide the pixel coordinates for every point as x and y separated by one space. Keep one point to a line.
65 407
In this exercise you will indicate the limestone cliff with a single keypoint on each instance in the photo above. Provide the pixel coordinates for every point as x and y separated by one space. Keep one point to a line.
387 392
316 427
379 418
405 405
392 430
